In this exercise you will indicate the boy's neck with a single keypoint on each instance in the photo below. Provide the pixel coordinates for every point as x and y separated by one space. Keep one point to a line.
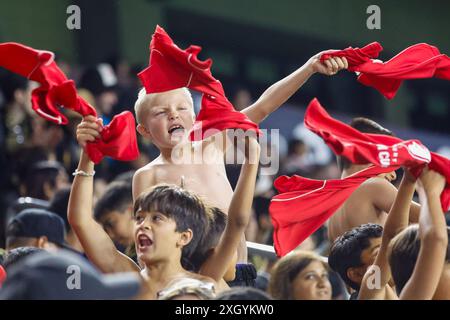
353 169
167 154
163 271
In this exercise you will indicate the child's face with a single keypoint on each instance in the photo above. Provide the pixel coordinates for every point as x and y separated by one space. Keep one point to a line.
119 226
312 283
155 237
168 119
369 254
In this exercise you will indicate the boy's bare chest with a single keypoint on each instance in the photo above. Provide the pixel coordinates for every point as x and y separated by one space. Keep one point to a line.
208 181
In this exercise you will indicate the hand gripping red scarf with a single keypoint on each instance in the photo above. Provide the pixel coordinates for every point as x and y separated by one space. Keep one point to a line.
419 61
172 68
304 205
118 139
380 150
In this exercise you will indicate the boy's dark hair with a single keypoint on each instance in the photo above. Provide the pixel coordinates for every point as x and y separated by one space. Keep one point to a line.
59 203
17 254
403 253
118 196
346 250
186 209
217 223
366 126
286 270
243 293
38 175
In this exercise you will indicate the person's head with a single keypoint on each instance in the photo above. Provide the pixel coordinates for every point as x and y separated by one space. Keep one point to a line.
243 293
354 251
59 203
35 228
402 254
300 275
217 221
44 178
16 255
169 223
65 276
296 147
165 118
366 126
114 211
187 289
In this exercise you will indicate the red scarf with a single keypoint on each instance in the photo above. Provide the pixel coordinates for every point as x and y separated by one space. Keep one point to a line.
380 150
118 139
172 68
419 61
304 205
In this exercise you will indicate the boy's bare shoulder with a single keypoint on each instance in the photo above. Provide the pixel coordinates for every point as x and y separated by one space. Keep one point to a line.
144 178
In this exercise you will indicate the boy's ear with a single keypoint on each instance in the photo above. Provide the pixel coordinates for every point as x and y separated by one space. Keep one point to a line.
355 274
143 131
185 238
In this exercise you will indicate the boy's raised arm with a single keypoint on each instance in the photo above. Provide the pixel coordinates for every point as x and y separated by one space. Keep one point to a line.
281 91
433 240
238 215
396 221
98 246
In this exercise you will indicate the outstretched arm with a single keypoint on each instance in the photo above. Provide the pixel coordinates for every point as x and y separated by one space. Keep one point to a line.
98 246
281 91
396 221
433 240
238 215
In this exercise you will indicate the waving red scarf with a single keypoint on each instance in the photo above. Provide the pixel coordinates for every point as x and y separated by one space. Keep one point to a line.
304 205
172 68
118 139
380 150
419 61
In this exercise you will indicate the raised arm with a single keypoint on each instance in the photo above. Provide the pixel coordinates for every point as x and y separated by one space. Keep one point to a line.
396 221
433 240
238 216
98 246
281 91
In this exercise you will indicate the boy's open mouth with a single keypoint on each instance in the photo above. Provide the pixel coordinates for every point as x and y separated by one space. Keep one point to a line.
176 128
144 242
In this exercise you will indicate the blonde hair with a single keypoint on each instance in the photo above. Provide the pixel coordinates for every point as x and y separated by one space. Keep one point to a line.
144 100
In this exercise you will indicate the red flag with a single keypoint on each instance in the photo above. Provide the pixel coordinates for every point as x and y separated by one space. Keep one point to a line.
304 205
380 150
171 68
419 61
118 139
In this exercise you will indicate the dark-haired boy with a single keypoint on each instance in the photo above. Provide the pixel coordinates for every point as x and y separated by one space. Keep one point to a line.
168 221
114 211
355 251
